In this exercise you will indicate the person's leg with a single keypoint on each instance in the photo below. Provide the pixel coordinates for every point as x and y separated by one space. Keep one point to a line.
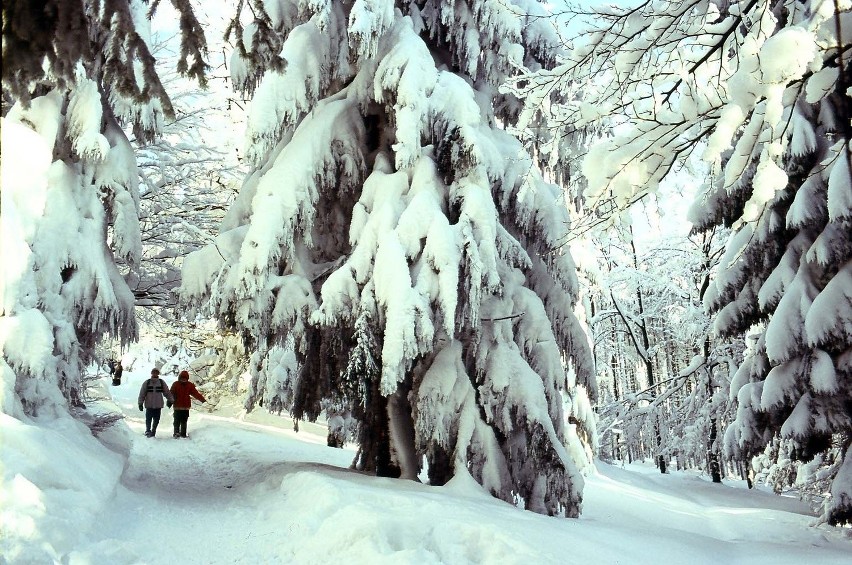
149 416
156 412
176 420
181 417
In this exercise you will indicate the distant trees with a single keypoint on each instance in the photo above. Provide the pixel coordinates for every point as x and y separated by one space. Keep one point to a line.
73 73
186 184
402 246
188 175
663 379
759 90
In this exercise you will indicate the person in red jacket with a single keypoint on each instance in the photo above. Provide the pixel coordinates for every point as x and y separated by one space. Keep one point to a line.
183 391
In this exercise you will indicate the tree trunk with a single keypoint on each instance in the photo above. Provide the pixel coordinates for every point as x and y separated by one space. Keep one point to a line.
440 466
401 430
374 455
713 462
745 473
712 454
649 362
661 459
649 369
385 466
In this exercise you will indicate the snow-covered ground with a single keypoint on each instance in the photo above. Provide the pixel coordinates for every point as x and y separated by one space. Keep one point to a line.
251 490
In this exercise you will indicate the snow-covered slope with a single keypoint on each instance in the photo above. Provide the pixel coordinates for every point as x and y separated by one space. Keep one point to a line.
251 490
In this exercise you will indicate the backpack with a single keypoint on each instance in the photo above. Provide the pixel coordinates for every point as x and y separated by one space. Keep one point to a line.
158 387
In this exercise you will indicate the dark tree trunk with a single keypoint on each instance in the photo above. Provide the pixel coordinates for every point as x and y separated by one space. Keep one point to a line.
745 473
712 453
649 362
401 431
661 459
440 466
375 453
712 456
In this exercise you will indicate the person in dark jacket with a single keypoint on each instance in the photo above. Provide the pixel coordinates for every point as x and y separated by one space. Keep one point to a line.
184 391
117 371
151 397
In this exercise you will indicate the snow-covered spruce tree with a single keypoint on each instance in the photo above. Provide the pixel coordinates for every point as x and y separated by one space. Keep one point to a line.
788 267
72 72
403 244
771 78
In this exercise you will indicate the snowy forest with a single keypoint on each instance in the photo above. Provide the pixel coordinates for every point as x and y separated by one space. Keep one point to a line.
482 246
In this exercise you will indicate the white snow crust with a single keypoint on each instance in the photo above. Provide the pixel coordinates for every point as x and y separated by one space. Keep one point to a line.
249 489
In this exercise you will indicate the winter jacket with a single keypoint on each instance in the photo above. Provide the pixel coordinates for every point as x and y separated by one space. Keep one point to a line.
152 392
182 391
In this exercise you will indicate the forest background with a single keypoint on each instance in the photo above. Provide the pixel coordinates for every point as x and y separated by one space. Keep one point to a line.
550 168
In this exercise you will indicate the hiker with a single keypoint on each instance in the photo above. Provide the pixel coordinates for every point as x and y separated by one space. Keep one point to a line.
151 396
183 391
116 371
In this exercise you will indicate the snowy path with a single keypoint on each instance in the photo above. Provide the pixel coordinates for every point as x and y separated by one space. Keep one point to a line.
243 493
203 500
252 491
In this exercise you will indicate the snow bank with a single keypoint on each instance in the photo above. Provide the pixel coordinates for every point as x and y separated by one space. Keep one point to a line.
57 479
248 489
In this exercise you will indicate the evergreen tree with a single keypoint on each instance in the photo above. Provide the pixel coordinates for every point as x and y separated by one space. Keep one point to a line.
787 271
770 78
73 73
403 244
